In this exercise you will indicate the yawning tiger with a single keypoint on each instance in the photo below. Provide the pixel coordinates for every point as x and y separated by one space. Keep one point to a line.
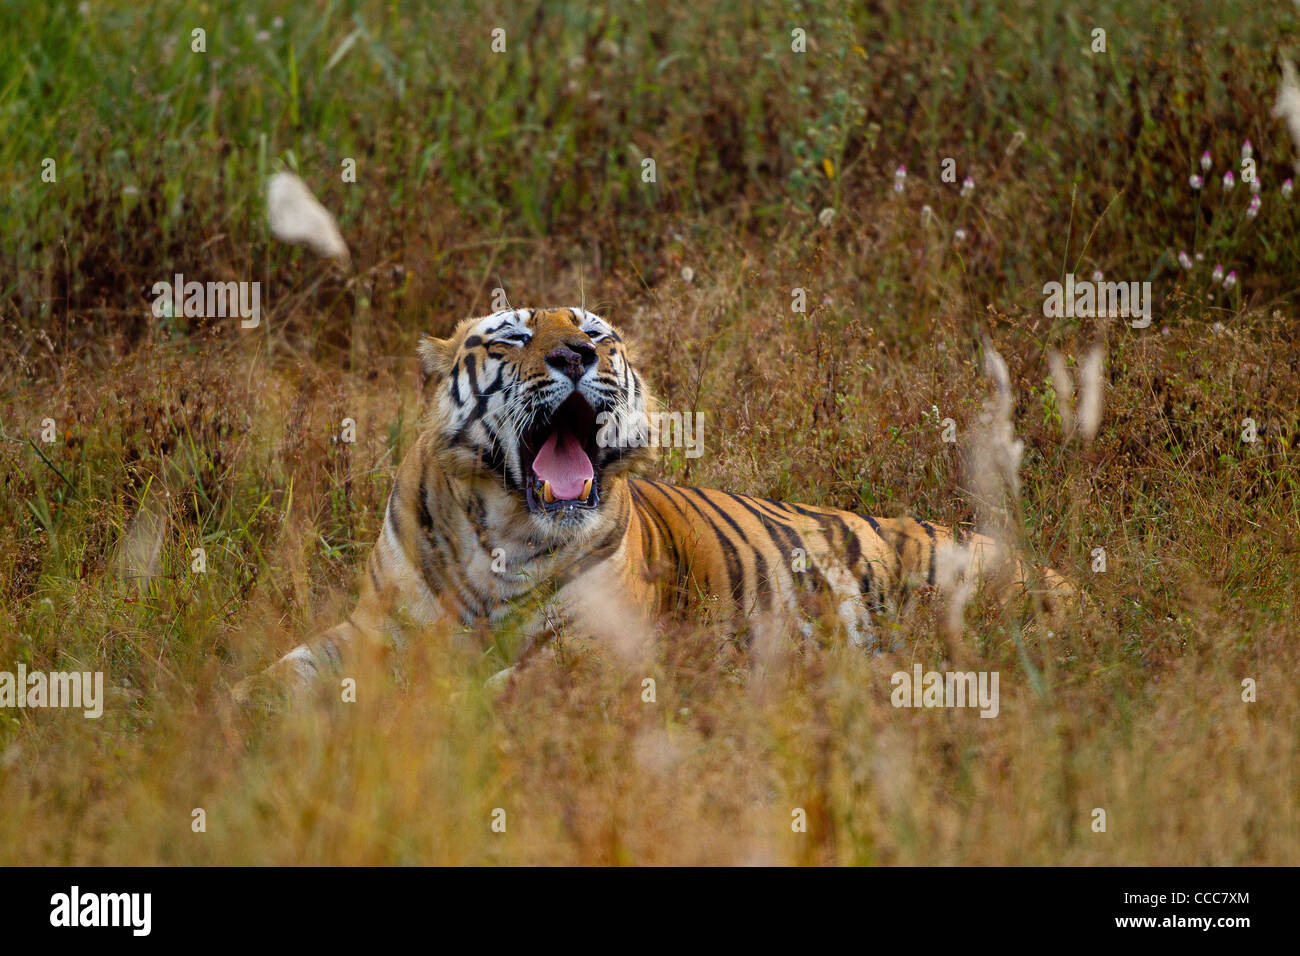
510 503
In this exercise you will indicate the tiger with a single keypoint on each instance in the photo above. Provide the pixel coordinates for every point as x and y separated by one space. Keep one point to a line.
515 501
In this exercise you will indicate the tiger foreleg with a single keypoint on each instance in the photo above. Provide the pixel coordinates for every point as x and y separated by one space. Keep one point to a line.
540 635
294 674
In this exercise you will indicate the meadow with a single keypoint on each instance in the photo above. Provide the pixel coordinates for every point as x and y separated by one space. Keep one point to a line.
128 439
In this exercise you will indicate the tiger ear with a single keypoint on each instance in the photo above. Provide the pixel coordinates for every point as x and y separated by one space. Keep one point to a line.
435 357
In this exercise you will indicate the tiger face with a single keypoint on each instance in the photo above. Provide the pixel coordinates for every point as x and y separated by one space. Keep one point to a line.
525 397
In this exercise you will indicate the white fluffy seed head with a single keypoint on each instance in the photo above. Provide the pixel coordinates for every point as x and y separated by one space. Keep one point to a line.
995 367
1064 391
1287 107
995 453
955 575
1090 392
297 217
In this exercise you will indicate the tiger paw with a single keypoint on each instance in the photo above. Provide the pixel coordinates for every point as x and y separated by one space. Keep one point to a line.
264 692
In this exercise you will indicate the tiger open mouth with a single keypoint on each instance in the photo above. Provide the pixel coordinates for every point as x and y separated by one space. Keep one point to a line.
557 458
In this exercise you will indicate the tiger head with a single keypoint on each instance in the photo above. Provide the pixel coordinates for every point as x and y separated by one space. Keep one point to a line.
538 400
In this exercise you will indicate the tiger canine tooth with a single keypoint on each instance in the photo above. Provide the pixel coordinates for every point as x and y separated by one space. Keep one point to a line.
547 494
586 489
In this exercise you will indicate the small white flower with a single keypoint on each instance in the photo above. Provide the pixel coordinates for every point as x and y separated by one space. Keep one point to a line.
1199 257
1247 150
1206 162
1098 275
687 273
1184 260
926 214
1217 275
967 187
825 216
1253 209
1230 280
261 36
1229 180
959 235
1286 189
900 178
1216 328
1196 181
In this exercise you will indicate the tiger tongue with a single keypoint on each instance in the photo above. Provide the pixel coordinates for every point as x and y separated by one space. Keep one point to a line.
564 464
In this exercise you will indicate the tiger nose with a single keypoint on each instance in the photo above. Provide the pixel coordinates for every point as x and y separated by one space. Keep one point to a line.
572 360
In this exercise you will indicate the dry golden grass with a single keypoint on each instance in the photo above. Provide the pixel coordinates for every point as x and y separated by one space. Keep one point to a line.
1139 710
